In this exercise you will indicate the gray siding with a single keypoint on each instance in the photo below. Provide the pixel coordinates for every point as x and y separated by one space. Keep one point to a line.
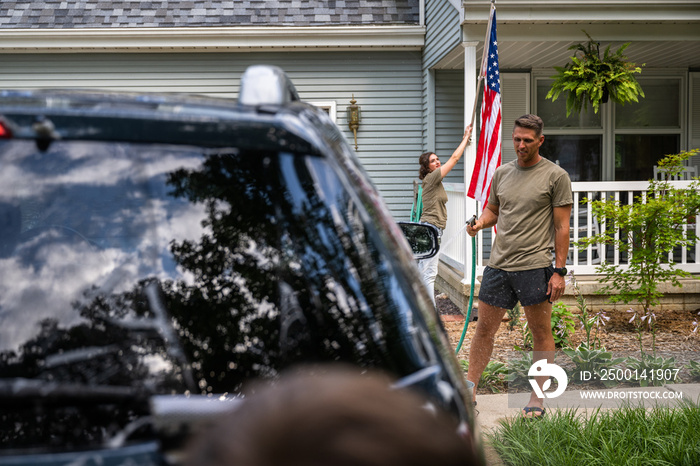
449 118
443 33
387 86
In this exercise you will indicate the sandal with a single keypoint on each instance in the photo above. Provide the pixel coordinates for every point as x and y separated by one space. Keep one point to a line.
529 412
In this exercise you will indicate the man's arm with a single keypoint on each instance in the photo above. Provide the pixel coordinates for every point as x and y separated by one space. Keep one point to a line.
488 218
557 283
562 216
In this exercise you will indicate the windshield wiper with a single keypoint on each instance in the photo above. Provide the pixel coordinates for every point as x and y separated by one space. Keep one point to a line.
78 355
20 390
163 324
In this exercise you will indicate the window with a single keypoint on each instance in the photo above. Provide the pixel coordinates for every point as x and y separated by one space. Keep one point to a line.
647 130
620 142
636 154
554 113
579 155
574 142
328 107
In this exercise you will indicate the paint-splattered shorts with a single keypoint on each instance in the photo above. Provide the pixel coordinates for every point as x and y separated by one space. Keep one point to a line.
504 289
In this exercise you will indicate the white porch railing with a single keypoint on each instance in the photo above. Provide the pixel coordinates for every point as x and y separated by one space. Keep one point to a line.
456 244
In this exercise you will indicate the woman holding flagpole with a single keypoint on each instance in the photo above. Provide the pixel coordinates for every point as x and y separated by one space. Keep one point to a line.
434 212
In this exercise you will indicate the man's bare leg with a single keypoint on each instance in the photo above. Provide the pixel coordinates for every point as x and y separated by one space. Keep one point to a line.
539 320
489 320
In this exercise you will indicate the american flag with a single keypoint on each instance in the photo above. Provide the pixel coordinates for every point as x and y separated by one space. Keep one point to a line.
488 152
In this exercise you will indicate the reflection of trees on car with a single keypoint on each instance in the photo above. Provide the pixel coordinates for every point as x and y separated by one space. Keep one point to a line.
222 315
279 275
98 351
281 270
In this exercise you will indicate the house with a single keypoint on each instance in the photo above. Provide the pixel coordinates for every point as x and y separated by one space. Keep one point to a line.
410 65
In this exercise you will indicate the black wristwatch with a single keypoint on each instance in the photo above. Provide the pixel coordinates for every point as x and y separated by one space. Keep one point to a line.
561 271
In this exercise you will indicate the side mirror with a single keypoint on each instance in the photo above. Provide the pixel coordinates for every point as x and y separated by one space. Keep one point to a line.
422 237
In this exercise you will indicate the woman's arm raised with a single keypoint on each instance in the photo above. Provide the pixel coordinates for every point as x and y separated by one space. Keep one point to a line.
457 154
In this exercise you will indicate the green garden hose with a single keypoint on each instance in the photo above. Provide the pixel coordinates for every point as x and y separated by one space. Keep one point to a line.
471 288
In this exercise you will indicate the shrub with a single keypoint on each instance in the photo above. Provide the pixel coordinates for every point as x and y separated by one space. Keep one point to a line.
646 232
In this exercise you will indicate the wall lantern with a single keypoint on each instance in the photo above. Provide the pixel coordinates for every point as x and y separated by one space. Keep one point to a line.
354 117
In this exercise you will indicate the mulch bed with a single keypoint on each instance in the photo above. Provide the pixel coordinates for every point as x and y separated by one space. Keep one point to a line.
674 335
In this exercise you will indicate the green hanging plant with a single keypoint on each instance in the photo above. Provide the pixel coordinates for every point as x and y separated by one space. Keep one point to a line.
591 79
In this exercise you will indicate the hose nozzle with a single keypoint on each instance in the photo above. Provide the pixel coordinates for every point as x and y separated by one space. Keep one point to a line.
472 221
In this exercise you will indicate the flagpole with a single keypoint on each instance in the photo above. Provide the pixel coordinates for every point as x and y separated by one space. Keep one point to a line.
483 60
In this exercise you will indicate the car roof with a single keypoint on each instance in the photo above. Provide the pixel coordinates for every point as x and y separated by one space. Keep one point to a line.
267 116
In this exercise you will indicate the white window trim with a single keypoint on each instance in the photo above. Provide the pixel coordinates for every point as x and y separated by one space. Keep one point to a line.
330 106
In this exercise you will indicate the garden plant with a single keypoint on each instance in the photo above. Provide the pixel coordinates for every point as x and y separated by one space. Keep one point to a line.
593 79
626 436
646 232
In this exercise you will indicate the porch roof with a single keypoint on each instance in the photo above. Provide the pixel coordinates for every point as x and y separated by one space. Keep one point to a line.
537 34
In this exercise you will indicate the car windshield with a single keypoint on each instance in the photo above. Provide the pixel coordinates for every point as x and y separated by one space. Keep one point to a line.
136 269
178 269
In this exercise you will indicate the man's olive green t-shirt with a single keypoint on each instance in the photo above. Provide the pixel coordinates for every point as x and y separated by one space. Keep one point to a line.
434 200
526 198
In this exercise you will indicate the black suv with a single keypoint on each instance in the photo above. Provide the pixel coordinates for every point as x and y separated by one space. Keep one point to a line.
157 252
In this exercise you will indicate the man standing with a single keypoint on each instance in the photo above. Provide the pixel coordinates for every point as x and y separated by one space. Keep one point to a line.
530 204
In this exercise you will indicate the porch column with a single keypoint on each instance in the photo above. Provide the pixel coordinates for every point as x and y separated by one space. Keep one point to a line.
470 96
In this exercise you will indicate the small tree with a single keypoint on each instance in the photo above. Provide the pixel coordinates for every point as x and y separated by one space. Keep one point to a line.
649 229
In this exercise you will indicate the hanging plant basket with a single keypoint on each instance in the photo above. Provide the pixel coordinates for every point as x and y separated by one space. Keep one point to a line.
592 79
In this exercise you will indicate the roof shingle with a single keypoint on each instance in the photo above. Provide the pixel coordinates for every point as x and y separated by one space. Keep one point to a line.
67 14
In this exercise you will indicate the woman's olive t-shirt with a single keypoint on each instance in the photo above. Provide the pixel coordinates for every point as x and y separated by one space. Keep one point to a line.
434 200
526 198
